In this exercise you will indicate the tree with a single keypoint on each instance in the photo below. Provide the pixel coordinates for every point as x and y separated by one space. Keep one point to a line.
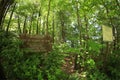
4 6
75 27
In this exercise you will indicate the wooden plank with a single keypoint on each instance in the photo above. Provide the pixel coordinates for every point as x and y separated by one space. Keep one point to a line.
37 43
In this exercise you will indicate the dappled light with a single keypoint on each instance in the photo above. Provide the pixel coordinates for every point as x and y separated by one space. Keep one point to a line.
59 39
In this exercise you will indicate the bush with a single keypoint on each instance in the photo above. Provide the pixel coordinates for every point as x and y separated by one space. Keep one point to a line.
112 68
21 65
97 75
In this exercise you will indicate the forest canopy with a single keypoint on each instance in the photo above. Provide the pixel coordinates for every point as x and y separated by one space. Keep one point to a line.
60 39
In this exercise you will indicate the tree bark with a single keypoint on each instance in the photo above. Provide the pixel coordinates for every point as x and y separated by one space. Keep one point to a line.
24 26
19 29
31 23
53 26
4 6
47 23
37 29
10 18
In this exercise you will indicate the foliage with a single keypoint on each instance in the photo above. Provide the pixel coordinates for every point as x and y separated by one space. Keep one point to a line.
112 68
97 75
75 29
16 62
19 64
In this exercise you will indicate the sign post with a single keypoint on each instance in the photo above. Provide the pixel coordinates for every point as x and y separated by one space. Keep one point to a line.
107 38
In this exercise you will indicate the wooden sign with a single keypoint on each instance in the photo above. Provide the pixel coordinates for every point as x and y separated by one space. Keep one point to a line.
37 43
107 33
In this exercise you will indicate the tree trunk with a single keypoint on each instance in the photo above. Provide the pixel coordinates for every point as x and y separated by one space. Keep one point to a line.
30 28
4 6
19 29
53 32
86 36
47 23
80 34
24 26
37 29
10 18
63 31
43 27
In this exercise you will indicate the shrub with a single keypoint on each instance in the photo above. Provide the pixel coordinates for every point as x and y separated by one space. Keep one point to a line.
21 65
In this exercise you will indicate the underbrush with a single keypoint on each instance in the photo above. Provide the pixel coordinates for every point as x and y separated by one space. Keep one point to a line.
20 64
